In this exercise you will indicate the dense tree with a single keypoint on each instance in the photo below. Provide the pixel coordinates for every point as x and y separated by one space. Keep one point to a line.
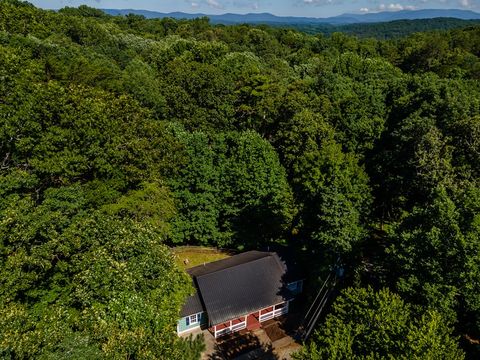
425 144
231 184
121 134
330 186
436 253
365 324
73 282
61 135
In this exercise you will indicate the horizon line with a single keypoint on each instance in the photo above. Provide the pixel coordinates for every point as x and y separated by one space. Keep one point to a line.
268 13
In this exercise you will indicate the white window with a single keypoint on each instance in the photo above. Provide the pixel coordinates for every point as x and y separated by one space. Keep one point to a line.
193 319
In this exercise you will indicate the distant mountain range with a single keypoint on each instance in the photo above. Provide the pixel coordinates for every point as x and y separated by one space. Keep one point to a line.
266 18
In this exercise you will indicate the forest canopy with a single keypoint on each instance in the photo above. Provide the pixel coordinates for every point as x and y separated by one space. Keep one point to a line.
121 137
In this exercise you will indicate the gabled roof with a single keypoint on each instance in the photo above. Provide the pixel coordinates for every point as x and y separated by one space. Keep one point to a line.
193 305
237 286
231 261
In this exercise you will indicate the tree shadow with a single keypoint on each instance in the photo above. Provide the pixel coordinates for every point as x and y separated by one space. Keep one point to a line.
286 325
242 344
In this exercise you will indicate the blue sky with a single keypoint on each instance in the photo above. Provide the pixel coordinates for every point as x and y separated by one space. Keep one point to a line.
313 8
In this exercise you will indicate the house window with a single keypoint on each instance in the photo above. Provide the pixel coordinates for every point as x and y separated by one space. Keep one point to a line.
296 287
193 319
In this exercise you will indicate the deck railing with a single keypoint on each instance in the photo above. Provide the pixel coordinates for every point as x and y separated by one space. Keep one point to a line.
240 326
281 311
223 332
278 310
267 316
232 328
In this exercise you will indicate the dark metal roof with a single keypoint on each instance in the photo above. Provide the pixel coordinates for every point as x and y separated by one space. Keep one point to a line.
193 305
237 286
226 263
249 285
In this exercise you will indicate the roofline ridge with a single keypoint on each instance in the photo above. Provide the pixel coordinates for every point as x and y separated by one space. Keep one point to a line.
225 259
268 253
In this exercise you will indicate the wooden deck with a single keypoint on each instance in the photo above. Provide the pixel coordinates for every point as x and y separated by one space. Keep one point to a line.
253 323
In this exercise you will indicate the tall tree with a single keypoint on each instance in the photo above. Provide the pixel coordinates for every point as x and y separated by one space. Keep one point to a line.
73 281
330 186
365 324
436 254
231 184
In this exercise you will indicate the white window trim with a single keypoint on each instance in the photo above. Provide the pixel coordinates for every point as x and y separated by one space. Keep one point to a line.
197 321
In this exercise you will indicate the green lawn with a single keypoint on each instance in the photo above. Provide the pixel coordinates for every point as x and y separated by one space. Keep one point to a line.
190 256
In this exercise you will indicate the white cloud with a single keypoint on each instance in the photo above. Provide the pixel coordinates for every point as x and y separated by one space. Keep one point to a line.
398 5
246 4
321 2
390 7
214 4
395 7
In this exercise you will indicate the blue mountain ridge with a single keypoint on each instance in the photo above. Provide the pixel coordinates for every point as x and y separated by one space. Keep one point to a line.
267 18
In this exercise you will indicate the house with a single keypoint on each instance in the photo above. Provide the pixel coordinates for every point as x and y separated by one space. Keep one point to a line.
237 293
